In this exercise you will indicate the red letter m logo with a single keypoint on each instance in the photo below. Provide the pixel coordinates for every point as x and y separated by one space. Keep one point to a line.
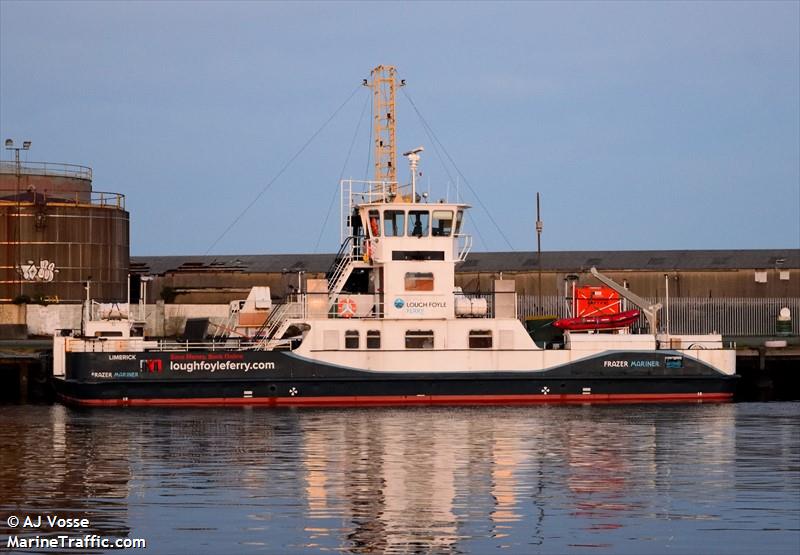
151 365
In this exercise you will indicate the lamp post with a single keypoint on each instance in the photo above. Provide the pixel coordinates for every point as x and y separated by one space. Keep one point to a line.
26 145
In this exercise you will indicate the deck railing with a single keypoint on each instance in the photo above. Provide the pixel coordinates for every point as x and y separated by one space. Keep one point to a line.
102 199
46 168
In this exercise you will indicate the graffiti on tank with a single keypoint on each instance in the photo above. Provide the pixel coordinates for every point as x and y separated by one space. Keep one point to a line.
44 271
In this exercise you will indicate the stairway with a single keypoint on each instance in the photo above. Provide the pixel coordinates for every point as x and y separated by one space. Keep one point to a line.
271 333
341 269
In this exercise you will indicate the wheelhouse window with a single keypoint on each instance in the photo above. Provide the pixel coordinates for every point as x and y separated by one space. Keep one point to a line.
442 223
394 223
419 339
373 339
480 339
374 223
419 281
418 222
459 220
351 339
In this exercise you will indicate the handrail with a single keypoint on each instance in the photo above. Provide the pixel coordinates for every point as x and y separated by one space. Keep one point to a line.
339 271
103 199
224 345
46 168
464 248
272 322
337 277
269 335
345 246
373 191
377 314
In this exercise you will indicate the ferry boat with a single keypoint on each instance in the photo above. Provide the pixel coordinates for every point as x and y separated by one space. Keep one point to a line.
388 326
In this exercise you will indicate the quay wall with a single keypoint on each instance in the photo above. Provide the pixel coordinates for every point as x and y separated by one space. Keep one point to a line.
168 320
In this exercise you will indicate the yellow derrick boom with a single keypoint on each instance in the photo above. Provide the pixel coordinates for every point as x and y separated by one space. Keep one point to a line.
383 114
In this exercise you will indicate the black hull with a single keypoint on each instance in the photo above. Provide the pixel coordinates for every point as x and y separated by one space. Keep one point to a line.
280 378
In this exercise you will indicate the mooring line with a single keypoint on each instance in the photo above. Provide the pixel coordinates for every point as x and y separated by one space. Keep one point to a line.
283 169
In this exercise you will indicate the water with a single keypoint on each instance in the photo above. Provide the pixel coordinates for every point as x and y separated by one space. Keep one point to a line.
585 479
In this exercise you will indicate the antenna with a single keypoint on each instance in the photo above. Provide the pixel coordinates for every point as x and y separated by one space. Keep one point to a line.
539 228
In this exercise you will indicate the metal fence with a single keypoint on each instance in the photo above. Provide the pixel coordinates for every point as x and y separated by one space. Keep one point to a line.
694 315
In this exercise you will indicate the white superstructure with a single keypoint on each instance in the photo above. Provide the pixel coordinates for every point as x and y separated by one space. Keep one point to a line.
390 301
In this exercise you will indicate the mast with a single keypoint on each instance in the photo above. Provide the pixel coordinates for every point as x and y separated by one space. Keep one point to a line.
539 227
383 113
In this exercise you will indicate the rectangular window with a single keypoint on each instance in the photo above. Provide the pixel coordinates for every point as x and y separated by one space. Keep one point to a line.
419 281
442 223
351 339
480 339
419 339
373 339
418 221
374 223
417 255
394 223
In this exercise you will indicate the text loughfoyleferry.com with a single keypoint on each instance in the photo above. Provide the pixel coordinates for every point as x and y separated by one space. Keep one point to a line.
219 365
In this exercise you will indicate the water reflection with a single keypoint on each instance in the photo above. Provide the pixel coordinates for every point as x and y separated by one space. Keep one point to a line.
59 463
426 480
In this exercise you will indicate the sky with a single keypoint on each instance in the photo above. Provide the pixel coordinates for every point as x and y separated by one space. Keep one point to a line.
643 125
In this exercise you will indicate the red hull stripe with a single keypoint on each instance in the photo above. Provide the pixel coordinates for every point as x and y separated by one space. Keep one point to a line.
386 400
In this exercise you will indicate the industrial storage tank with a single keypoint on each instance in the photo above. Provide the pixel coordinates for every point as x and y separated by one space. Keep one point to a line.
57 233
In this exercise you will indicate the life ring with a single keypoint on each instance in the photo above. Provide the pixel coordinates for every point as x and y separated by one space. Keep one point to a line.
346 307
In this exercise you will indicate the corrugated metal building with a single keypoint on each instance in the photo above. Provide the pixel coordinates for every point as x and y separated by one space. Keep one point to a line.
691 273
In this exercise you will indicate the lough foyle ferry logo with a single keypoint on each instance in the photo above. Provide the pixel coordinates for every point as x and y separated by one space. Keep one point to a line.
151 365
399 303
